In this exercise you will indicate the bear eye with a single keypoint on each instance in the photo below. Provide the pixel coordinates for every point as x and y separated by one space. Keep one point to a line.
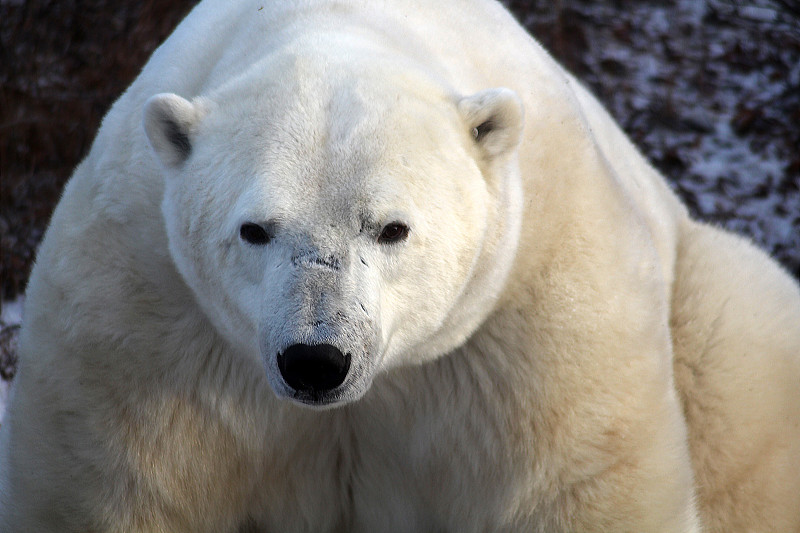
254 234
394 232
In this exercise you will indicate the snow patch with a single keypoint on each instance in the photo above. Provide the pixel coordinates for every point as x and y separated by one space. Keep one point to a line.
11 312
10 321
5 389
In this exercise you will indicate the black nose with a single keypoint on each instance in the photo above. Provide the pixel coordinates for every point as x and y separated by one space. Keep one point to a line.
317 368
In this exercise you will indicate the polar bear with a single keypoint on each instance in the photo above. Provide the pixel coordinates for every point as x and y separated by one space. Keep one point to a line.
337 266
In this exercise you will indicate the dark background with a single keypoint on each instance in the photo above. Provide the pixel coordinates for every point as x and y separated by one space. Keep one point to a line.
709 89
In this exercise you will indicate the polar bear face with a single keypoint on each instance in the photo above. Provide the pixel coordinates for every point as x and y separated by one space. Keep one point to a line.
336 222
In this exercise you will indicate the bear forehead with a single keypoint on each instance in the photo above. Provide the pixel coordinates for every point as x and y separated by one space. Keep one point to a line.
322 126
319 95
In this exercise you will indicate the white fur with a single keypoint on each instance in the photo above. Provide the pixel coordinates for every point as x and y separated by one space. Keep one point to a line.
556 346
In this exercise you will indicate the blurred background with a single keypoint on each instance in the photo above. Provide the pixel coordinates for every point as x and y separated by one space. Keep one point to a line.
708 89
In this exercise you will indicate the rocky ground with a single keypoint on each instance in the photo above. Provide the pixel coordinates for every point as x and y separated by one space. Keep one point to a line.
709 89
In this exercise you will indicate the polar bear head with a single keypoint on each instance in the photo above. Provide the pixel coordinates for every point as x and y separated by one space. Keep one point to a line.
337 220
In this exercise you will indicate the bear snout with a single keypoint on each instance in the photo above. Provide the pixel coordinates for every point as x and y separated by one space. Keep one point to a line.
313 369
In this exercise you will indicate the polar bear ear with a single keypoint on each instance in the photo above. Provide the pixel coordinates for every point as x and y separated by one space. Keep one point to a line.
169 122
494 118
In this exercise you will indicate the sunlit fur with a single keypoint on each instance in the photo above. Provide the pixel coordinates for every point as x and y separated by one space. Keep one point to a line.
555 346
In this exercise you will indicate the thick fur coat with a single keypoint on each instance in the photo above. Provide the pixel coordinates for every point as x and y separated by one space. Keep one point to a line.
355 266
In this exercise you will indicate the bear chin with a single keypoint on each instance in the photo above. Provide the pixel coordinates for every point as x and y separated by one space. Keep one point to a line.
327 400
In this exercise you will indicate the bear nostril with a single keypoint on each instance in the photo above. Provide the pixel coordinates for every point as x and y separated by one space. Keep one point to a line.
317 368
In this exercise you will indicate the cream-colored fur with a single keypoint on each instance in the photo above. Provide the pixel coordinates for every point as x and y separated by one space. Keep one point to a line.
555 346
